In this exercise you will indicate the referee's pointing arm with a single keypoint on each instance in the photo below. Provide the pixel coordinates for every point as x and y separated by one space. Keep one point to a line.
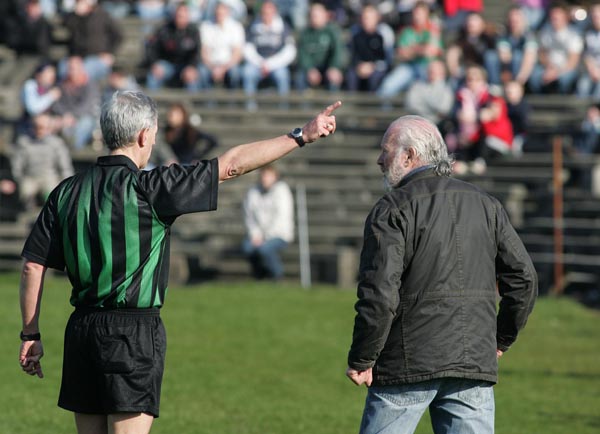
242 159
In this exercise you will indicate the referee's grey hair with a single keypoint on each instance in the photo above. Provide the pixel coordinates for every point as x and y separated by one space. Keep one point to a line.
424 137
124 115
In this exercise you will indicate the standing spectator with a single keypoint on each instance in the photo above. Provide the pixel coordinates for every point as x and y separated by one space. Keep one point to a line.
417 45
38 94
39 162
270 50
560 52
535 12
78 105
94 36
30 33
269 221
484 128
432 99
518 113
589 82
187 142
222 44
517 48
476 44
173 52
437 254
371 51
320 52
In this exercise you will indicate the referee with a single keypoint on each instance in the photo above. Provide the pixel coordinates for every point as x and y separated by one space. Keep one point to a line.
109 228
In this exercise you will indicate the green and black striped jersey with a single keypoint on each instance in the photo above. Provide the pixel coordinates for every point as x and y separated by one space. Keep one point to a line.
109 227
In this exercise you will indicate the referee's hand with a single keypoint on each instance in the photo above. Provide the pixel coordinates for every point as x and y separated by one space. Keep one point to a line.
29 357
322 125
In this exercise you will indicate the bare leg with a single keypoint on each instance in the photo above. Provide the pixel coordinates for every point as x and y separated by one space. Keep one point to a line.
91 423
130 423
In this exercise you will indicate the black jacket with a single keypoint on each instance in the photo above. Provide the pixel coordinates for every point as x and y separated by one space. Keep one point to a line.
434 250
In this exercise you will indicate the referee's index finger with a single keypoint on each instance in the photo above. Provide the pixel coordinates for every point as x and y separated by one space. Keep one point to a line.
329 109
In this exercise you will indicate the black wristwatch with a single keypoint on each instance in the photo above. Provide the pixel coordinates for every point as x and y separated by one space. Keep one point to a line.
296 134
32 337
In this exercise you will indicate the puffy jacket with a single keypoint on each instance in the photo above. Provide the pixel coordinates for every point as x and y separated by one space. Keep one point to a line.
437 251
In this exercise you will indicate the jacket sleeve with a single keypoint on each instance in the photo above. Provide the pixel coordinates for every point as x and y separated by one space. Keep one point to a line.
381 268
517 282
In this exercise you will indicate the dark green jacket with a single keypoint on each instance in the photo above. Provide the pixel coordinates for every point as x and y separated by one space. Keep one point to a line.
321 48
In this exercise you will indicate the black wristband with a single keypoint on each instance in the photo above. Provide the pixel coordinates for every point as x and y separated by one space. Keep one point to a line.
32 337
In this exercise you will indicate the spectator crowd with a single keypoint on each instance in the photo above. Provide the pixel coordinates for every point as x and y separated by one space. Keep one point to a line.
467 75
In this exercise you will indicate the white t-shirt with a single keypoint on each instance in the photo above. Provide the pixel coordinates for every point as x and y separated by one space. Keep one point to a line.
559 45
222 40
270 214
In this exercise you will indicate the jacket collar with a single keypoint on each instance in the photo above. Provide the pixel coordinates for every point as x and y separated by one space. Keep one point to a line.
418 173
117 160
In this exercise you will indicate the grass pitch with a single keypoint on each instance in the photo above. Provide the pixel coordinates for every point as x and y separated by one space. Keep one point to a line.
260 358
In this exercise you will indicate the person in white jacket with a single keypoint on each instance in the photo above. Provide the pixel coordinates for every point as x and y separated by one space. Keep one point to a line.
269 221
270 49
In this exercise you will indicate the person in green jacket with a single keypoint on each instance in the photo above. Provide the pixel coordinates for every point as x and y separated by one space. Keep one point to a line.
320 53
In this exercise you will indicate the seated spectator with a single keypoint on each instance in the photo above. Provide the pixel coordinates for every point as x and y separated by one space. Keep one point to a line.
39 162
30 33
417 45
535 12
371 51
38 94
589 82
560 51
270 50
475 45
118 79
222 49
269 221
187 142
320 52
518 113
173 53
587 142
79 104
94 36
517 48
456 13
433 99
484 129
237 9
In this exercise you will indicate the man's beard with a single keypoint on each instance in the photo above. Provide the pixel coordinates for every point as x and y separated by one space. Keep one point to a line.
392 177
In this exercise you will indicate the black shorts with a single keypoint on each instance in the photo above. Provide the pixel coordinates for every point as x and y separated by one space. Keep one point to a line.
113 361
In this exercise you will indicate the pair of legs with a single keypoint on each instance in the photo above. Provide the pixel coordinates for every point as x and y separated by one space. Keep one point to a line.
121 423
265 258
456 406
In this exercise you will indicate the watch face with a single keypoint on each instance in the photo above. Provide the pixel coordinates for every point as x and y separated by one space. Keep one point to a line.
296 132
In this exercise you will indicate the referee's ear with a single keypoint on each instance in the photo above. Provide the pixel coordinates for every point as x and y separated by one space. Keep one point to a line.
143 137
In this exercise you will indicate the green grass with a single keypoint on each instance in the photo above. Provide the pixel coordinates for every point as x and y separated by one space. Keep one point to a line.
254 358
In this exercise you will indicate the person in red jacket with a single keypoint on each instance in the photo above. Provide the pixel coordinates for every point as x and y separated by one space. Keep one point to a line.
484 128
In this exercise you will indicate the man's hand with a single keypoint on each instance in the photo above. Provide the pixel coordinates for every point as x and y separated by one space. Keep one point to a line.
29 357
360 377
322 125
499 353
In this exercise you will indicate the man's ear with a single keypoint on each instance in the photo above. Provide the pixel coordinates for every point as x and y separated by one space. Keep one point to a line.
142 137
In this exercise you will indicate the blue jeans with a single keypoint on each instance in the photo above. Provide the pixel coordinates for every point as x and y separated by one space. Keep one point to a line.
456 406
564 82
401 77
170 70
265 258
252 77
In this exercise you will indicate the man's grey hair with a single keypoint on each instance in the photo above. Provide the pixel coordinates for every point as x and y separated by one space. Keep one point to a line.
425 138
124 115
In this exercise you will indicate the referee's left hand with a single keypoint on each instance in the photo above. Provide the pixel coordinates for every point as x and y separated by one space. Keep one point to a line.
322 125
29 357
